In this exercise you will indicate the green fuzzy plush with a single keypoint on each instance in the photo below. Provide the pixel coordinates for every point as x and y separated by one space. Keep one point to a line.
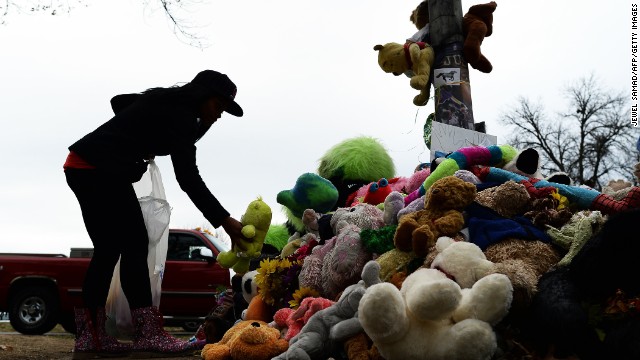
360 158
255 225
354 163
378 241
277 236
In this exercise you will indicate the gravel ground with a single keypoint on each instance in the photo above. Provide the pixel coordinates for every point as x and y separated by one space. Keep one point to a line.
54 345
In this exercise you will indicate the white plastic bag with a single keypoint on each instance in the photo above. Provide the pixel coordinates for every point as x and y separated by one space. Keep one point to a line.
156 212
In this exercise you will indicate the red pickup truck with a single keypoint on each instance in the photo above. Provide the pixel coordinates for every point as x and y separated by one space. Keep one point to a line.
40 290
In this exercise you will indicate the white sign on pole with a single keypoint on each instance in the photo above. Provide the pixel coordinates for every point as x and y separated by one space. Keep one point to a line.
447 138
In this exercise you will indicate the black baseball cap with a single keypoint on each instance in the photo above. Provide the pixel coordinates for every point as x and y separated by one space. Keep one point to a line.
220 84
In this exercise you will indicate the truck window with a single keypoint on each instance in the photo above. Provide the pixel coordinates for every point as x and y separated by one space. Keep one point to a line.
184 247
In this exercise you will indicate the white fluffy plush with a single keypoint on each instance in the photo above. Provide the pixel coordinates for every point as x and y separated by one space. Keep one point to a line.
466 264
464 261
432 317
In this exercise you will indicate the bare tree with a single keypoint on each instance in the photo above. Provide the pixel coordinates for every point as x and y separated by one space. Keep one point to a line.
594 141
173 9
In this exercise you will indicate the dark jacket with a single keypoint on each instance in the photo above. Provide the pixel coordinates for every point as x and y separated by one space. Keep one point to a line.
144 127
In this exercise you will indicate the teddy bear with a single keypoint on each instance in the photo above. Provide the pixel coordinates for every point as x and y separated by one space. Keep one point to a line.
507 199
333 325
477 24
420 18
255 224
247 340
431 317
291 320
397 59
442 215
522 261
360 347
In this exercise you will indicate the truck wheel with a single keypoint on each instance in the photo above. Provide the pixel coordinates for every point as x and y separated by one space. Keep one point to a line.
33 311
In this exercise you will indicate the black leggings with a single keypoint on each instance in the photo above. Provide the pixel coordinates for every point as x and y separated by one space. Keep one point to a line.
115 224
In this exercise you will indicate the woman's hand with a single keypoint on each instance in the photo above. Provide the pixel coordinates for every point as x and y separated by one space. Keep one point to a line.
233 228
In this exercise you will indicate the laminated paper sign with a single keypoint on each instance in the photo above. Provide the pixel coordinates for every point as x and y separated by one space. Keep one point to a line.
447 138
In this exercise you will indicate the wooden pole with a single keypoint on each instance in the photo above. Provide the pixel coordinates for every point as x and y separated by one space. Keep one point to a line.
450 71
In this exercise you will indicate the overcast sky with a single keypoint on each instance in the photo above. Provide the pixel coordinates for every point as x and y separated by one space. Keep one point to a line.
307 78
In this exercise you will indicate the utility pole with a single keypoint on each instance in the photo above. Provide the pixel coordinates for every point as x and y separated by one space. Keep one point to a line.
450 71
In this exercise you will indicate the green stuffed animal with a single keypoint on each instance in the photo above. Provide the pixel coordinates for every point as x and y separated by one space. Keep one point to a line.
255 224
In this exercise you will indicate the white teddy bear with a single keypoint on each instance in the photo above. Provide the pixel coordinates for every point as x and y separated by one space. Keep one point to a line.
431 317
466 264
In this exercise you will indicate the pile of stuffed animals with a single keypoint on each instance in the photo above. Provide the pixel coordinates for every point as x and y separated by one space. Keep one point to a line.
478 257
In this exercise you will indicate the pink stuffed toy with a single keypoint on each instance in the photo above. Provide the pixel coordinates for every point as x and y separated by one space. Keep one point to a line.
293 320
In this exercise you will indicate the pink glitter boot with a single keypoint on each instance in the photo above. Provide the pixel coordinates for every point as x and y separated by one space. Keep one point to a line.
109 346
86 346
150 340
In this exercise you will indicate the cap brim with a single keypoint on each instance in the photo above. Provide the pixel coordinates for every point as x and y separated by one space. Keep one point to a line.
234 109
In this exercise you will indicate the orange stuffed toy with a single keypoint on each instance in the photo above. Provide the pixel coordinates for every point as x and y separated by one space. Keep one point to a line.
247 340
477 24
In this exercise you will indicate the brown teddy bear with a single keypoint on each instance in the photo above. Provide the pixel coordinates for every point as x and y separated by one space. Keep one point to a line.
361 347
524 262
420 15
441 216
477 24
507 199
247 340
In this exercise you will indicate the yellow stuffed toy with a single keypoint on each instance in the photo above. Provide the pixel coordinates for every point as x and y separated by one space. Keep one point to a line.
247 340
255 224
414 59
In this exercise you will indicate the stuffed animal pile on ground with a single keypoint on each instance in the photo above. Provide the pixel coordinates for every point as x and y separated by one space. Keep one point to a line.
480 257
